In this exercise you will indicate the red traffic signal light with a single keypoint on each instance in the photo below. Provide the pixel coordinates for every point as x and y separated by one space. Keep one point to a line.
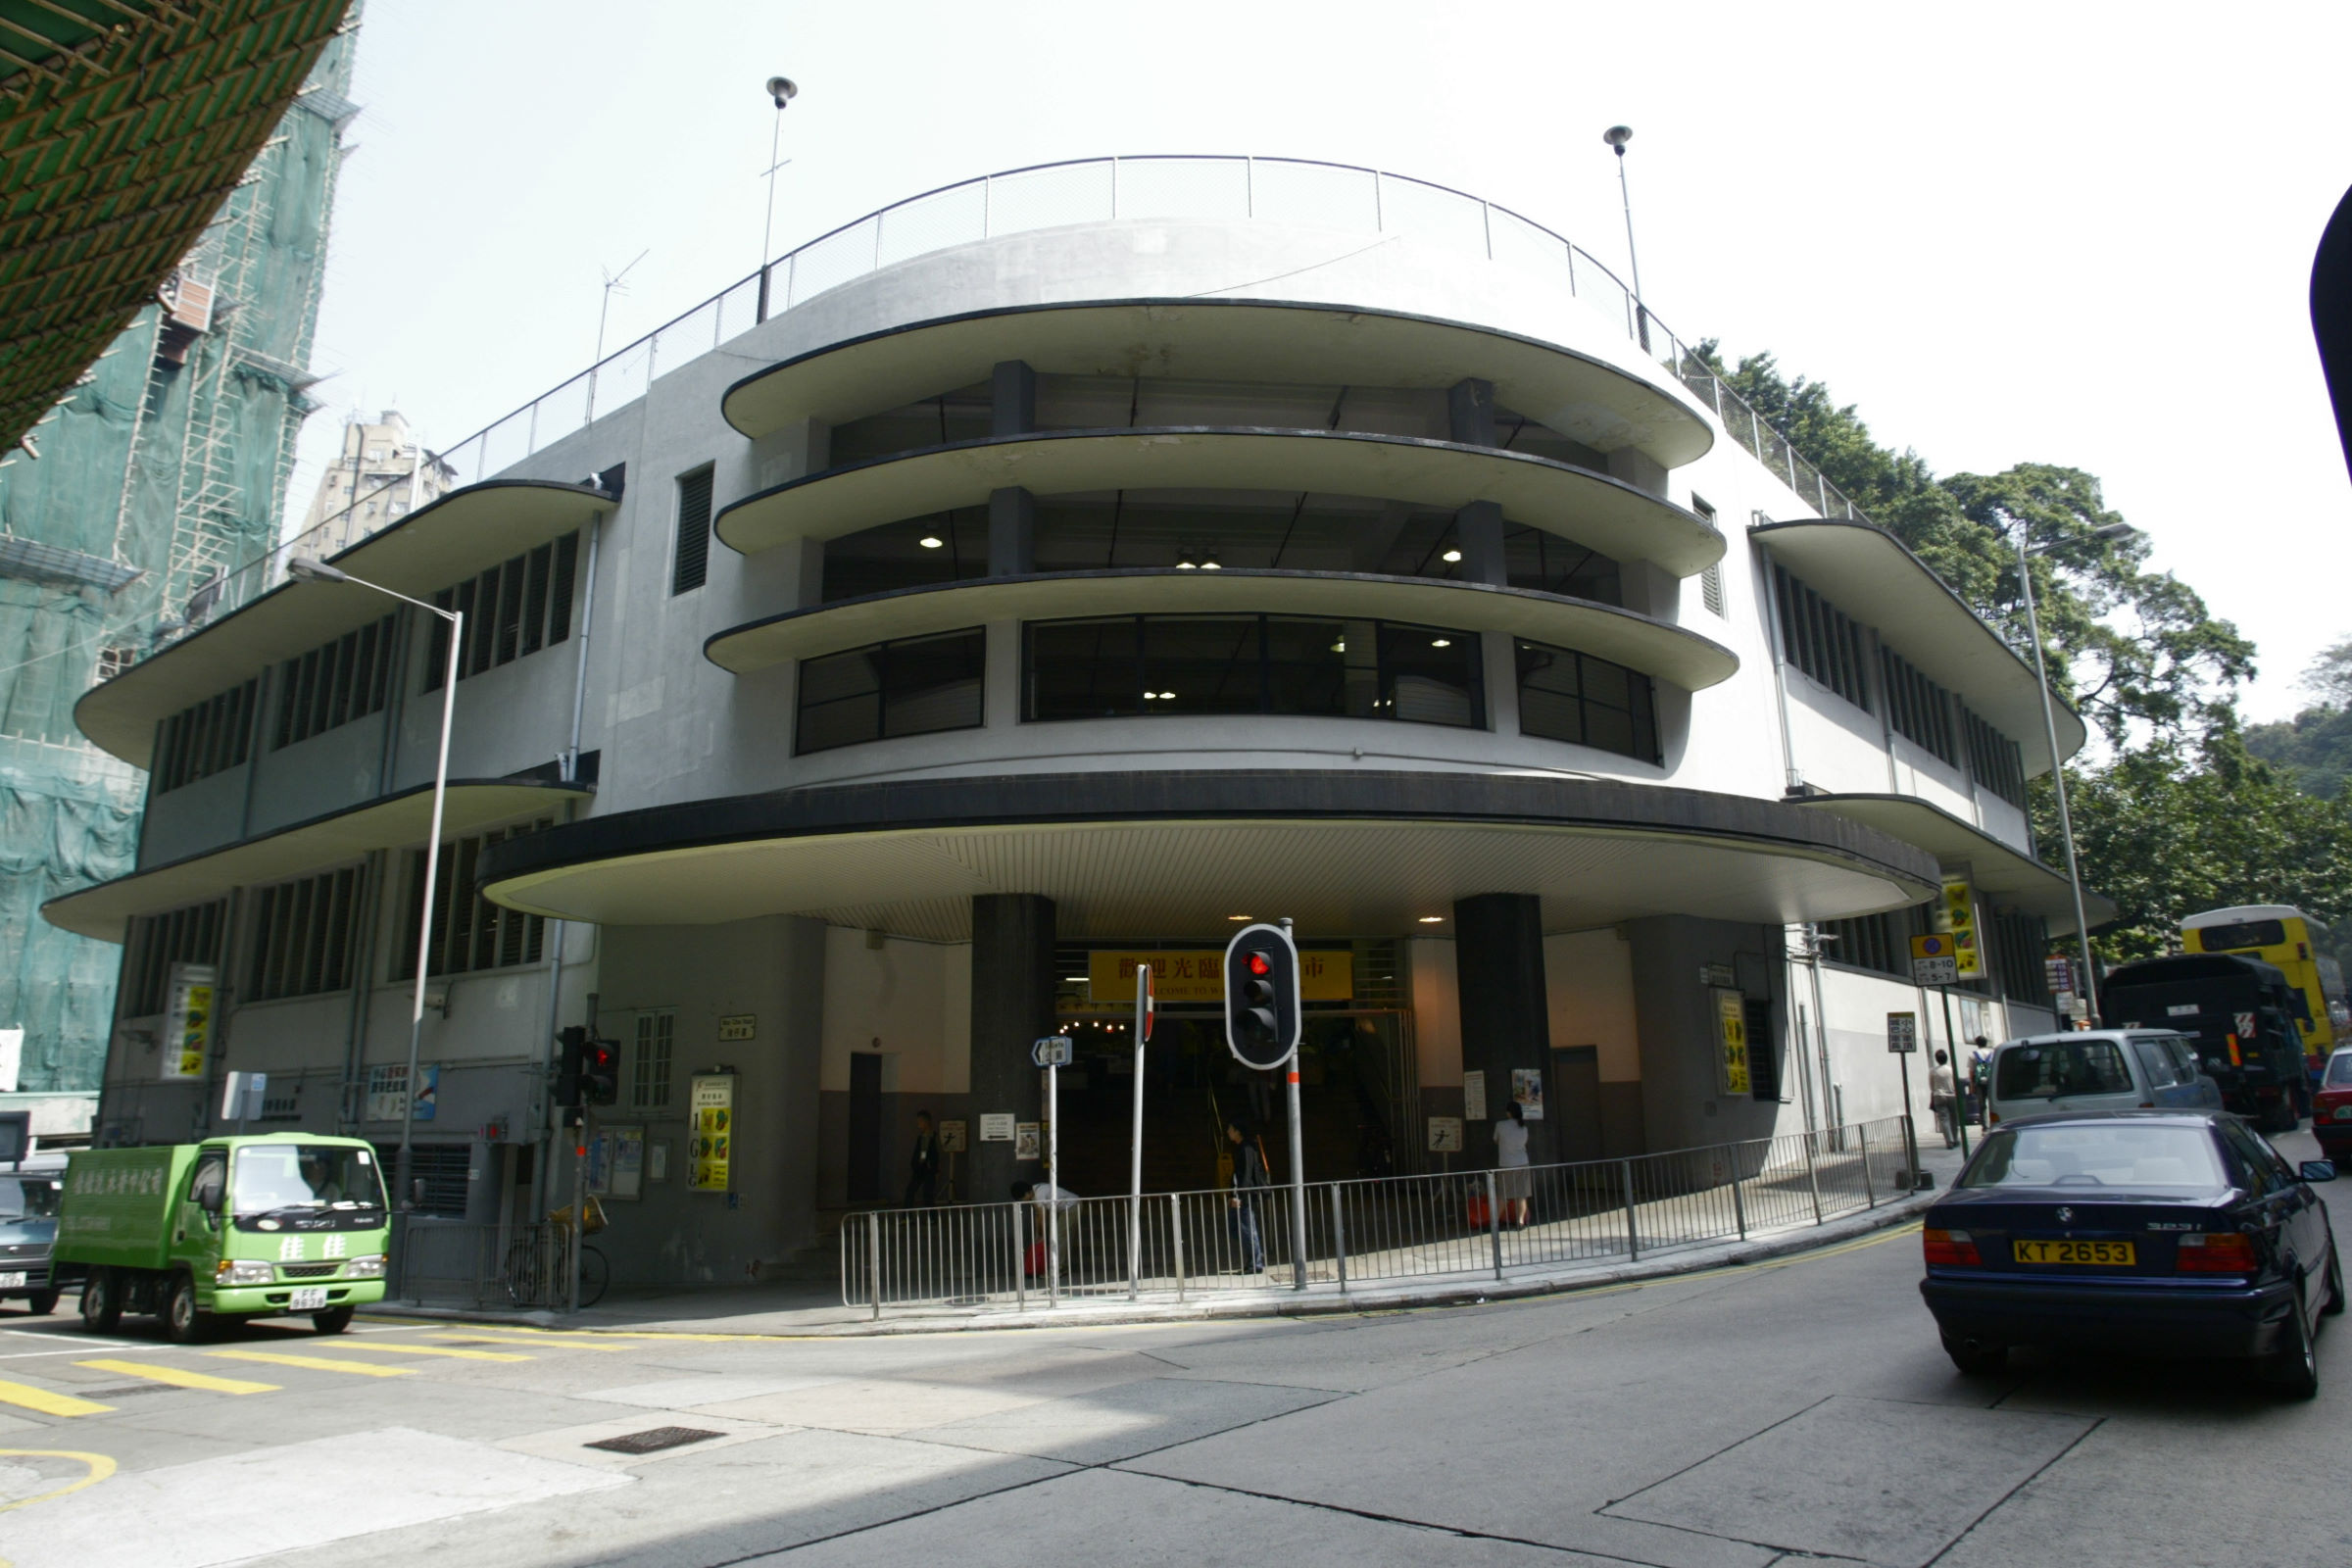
1261 996
1261 964
599 1072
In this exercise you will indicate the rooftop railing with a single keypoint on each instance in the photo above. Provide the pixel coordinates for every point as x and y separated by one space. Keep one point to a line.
1280 190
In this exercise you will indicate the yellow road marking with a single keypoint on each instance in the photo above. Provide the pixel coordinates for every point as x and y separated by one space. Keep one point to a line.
180 1377
435 1350
47 1401
320 1363
100 1468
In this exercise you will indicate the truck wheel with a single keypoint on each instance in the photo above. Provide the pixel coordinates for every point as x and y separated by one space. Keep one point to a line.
101 1302
334 1320
184 1323
40 1304
2279 1115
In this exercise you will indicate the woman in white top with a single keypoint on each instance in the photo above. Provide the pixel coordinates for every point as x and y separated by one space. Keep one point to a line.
1511 1178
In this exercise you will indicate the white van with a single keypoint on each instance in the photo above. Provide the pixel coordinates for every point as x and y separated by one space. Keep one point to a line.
2098 1070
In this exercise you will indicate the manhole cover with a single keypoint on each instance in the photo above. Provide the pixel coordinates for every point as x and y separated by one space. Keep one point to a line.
654 1440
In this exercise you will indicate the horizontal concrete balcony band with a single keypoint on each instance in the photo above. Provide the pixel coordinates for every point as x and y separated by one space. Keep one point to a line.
338 838
1654 647
464 532
1356 853
1868 572
2000 873
1591 509
1582 396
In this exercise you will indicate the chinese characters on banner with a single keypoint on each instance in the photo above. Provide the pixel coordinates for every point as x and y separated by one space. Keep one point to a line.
711 1102
1200 976
1731 1040
189 1020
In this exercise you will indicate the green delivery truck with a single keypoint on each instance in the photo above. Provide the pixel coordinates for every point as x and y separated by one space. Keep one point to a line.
205 1234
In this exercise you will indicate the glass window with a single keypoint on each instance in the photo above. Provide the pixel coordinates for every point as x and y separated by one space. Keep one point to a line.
925 551
2111 1155
657 1035
2155 1063
1568 696
2339 1070
28 1198
2045 1071
916 687
2245 934
273 1177
1156 664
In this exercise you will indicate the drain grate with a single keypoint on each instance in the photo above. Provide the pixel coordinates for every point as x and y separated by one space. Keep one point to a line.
654 1440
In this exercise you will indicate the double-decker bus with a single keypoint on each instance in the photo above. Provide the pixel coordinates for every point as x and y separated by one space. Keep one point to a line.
2284 936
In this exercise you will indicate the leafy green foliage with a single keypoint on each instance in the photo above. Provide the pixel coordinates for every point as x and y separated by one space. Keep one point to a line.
2135 652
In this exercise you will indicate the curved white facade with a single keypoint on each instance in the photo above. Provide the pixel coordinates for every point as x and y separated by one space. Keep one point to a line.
1084 589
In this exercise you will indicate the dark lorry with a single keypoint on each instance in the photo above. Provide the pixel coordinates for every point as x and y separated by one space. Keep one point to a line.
2243 1013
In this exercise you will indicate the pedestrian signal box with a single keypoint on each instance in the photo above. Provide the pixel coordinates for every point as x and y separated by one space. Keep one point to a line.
599 1072
1263 1018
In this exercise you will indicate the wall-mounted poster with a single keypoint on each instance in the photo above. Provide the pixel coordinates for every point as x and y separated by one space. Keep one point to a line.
1731 1043
953 1136
1474 1096
1527 1088
188 1021
712 1106
1445 1135
1026 1143
616 1162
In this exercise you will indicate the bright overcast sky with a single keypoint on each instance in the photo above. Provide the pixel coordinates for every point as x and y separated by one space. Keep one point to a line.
2076 234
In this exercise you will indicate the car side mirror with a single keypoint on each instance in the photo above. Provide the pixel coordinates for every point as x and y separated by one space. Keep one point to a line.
2317 1170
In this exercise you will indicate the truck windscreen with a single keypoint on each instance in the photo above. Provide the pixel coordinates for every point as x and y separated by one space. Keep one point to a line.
28 1198
269 1177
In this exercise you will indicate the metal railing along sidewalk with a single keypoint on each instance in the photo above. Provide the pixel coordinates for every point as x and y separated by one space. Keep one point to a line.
1375 1230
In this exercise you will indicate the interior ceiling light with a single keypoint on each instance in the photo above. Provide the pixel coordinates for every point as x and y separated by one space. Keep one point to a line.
1440 642
1453 555
1167 697
1237 917
1339 647
931 541
1186 563
1210 562
1433 919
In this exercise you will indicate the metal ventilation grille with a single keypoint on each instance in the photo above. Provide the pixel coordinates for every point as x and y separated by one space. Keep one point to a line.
654 1440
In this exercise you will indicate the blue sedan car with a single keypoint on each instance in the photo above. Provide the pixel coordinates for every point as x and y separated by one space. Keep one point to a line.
2159 1233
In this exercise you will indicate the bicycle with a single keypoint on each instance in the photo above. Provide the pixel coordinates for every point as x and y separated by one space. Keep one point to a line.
538 1268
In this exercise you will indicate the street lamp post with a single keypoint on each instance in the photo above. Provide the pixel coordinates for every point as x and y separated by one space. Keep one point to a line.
2050 719
307 569
1617 137
781 90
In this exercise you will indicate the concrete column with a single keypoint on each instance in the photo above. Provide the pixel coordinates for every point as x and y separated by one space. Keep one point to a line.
1477 530
1498 960
1639 469
1012 399
1013 1005
1470 412
1012 532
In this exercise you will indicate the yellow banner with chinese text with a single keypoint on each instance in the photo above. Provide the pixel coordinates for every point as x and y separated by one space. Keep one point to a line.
1199 976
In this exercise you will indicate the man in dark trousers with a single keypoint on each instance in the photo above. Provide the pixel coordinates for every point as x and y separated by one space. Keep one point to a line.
922 1178
1250 1179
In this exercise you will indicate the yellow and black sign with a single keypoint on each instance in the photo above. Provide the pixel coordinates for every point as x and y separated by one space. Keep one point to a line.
1199 976
711 1104
1730 1038
1956 914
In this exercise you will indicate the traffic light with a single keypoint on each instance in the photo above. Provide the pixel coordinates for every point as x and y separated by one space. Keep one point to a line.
1261 996
599 1072
575 1046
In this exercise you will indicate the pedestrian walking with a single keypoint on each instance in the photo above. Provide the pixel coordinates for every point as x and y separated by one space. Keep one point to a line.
1249 1178
1512 1179
922 1172
1944 1098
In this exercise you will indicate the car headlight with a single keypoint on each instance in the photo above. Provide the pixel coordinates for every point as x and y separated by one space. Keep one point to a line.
366 1268
235 1273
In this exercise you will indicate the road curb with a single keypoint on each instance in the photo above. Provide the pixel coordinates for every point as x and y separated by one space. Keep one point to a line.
1323 1302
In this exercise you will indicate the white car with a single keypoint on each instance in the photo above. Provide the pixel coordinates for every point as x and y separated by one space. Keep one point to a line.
2097 1069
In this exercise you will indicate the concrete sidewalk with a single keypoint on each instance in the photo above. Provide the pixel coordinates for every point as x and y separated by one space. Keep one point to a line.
809 1305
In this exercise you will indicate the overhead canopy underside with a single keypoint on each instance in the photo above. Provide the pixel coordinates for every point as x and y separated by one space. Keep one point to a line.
1869 574
1361 853
1584 398
1998 873
123 127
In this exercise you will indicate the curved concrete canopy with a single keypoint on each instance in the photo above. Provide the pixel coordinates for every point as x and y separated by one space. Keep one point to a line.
2001 873
1584 398
1174 851
1870 573
1652 647
1593 509
299 848
463 532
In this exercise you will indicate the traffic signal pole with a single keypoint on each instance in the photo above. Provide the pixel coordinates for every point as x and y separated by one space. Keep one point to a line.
1297 1148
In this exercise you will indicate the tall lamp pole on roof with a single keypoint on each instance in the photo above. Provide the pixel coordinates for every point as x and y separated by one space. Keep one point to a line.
1617 137
306 568
2026 550
782 91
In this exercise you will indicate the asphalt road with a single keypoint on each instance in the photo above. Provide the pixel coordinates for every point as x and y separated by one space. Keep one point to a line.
1793 1411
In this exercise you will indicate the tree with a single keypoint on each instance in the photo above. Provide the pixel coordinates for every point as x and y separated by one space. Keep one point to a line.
2176 828
2314 748
2135 652
2330 678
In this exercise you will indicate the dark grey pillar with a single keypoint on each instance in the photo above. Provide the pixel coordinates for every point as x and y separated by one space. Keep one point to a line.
1470 412
1507 1020
1012 532
1013 1005
1477 530
1013 399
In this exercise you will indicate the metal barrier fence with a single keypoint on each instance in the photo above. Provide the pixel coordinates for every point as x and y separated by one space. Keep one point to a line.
1283 190
1382 1230
450 1263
